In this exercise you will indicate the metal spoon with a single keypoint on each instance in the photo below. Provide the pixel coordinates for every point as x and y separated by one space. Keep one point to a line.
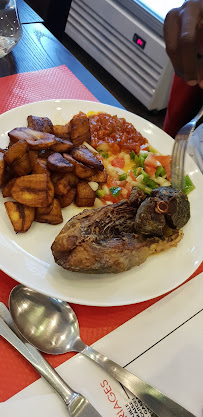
76 404
51 325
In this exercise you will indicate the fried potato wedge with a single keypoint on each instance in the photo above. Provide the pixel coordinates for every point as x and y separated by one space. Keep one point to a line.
85 196
54 217
42 124
62 145
62 131
84 155
22 166
2 168
35 139
16 151
6 192
56 162
66 199
99 176
80 170
80 129
40 167
63 185
35 190
20 216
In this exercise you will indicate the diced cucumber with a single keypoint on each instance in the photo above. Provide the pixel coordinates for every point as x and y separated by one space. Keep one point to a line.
100 193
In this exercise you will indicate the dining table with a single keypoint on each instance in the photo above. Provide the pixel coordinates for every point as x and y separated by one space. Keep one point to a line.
160 338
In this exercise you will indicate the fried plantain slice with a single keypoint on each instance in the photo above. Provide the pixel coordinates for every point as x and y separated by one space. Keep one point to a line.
56 162
35 139
80 129
66 199
2 168
62 131
64 184
16 151
33 155
99 176
80 170
42 124
20 216
54 217
84 155
6 192
40 167
62 145
22 166
85 196
35 190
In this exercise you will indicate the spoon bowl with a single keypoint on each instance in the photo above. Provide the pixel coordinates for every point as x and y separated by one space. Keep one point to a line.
46 322
52 326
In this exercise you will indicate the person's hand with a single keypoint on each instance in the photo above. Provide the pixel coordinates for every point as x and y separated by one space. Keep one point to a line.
183 35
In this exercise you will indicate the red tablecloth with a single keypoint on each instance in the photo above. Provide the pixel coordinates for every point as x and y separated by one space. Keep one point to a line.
95 322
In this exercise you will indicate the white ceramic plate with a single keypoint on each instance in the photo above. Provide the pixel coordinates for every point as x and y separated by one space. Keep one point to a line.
28 258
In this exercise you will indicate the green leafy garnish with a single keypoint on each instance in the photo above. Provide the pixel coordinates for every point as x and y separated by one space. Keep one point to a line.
115 191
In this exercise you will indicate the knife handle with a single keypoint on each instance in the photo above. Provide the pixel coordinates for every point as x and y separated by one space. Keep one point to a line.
40 364
157 402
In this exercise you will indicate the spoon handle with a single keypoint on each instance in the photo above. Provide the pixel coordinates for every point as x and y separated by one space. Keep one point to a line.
39 363
157 402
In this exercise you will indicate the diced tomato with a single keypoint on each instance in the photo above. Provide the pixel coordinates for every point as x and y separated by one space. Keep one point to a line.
112 182
165 161
132 176
128 187
122 183
150 170
109 198
118 162
151 160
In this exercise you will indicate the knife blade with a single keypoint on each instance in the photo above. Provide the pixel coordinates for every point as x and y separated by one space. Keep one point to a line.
76 404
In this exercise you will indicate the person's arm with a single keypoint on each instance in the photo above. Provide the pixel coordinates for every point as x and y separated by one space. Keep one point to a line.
183 34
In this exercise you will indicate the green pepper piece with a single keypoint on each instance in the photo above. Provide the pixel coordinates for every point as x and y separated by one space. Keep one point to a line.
105 155
152 184
141 161
145 176
123 177
137 171
160 172
144 154
115 191
132 155
100 193
188 185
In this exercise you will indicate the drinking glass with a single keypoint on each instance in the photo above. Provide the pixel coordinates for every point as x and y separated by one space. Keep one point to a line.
10 26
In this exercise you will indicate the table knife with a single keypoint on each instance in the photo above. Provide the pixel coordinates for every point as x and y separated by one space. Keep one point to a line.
76 404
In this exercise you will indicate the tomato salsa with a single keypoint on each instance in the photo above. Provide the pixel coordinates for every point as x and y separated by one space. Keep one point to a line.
116 132
128 158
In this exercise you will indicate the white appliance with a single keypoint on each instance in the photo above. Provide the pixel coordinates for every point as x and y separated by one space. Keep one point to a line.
125 37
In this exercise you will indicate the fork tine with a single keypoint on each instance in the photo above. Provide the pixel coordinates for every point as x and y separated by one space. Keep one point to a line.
178 157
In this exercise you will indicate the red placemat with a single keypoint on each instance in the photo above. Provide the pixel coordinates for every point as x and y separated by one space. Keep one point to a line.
53 83
95 322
